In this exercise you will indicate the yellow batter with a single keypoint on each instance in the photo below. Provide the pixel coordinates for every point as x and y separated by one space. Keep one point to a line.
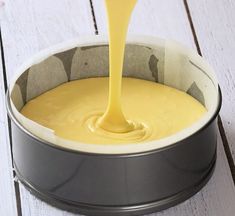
119 12
76 110
72 110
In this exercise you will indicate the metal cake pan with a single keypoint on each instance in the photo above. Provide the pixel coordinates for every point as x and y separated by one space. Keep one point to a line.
118 182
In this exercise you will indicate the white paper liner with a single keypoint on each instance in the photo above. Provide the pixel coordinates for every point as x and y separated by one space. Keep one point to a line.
164 61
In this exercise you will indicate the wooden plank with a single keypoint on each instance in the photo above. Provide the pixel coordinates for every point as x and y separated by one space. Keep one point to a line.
168 19
28 27
7 191
216 35
35 207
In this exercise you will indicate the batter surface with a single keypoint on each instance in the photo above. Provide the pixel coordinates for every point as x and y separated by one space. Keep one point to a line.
92 110
73 110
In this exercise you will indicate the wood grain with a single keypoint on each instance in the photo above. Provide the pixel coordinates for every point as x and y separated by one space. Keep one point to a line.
168 19
7 191
27 27
215 28
31 206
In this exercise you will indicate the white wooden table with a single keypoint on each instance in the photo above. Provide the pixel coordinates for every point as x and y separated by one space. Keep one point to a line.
208 26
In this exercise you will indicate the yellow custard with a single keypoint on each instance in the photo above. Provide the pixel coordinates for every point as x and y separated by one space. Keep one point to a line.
115 109
72 110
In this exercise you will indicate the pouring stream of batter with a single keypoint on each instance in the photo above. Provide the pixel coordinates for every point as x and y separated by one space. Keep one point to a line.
119 13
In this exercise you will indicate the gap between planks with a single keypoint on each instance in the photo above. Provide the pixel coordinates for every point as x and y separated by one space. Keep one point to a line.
220 122
16 184
94 18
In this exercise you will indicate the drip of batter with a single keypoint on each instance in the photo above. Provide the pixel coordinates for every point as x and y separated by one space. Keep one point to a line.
119 12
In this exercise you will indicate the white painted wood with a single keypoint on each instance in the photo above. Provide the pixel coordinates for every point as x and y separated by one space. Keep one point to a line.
168 18
31 206
7 191
214 22
2 93
27 27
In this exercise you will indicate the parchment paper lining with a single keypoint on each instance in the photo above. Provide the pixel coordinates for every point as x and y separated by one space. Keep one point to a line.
153 59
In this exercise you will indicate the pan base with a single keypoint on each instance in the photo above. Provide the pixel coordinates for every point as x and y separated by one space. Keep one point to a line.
98 210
